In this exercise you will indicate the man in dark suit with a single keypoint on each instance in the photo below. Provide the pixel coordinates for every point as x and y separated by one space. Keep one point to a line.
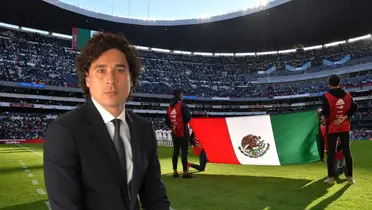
99 156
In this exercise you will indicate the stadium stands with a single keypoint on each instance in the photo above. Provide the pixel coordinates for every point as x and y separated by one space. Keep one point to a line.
33 125
23 125
34 58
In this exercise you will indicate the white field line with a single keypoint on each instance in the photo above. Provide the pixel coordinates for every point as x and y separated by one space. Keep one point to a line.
30 150
35 182
48 205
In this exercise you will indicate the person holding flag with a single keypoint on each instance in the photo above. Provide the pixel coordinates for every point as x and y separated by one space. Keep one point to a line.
198 151
338 107
177 119
339 166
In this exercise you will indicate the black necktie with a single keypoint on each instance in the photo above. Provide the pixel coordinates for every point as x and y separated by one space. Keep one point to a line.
120 149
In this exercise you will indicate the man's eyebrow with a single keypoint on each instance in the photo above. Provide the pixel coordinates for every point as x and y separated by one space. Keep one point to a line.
121 65
98 66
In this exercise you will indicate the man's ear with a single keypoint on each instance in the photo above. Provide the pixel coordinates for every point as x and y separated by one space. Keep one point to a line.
87 79
130 84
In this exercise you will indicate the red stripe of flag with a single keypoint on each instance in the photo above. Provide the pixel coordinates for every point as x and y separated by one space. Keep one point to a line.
74 38
213 135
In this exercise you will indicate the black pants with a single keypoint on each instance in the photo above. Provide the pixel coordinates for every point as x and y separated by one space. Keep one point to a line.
183 144
339 167
345 146
202 161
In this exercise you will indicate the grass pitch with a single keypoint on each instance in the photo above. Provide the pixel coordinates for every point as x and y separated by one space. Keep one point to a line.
220 187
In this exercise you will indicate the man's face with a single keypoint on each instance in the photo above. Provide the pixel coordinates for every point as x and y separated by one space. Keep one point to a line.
109 79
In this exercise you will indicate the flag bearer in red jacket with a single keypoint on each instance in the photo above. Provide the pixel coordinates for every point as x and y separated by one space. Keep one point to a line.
338 107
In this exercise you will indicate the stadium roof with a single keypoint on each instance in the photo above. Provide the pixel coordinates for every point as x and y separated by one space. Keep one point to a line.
165 11
153 21
298 23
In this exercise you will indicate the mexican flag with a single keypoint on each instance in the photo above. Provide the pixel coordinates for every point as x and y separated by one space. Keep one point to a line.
80 37
260 140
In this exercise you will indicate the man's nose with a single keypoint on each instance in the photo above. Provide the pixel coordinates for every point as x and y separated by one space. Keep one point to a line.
111 77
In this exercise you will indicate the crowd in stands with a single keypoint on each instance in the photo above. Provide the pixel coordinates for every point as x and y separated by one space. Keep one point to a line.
361 134
157 123
33 58
362 115
33 125
23 126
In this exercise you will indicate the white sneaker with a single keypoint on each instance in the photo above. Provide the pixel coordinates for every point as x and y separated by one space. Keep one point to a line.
350 180
329 180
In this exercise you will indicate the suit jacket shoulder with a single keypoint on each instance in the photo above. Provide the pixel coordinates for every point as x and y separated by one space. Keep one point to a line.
71 118
138 120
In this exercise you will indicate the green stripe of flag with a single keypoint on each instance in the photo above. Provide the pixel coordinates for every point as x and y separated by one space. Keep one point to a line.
83 36
296 137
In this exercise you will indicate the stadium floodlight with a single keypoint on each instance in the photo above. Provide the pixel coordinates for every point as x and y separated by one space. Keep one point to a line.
287 51
316 47
6 25
332 44
203 53
64 36
268 53
182 52
359 38
224 54
160 50
141 48
34 30
245 54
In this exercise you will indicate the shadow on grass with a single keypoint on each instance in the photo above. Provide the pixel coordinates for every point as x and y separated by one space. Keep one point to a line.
245 192
37 205
324 203
20 169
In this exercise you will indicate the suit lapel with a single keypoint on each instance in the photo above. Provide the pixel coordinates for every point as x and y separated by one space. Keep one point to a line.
103 140
134 141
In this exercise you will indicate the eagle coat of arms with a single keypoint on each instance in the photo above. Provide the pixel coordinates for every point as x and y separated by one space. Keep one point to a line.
253 146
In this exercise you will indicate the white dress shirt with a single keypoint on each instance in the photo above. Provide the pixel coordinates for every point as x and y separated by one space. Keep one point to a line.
124 134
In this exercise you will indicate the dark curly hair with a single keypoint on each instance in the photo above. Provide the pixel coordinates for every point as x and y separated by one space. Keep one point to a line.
96 46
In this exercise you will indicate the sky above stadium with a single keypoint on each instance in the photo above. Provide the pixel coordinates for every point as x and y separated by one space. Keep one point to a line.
165 9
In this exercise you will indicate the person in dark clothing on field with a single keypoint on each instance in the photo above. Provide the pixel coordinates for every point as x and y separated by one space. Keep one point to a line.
338 107
198 151
339 166
177 119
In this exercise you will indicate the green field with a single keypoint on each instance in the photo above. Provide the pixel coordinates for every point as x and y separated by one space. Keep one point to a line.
220 187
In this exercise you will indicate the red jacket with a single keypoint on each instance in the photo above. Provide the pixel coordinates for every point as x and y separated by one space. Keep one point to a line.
176 120
338 107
